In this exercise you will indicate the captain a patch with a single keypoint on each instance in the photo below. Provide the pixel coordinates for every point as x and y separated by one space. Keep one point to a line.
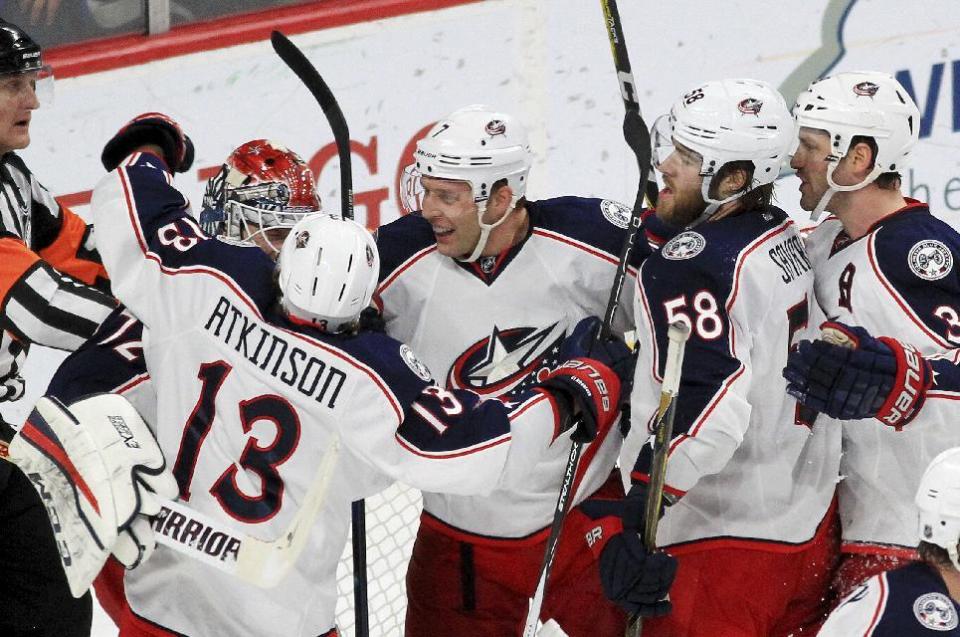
616 213
936 612
930 259
685 245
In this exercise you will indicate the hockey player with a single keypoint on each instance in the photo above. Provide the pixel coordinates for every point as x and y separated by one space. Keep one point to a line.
242 449
920 599
52 292
885 267
751 484
485 285
262 190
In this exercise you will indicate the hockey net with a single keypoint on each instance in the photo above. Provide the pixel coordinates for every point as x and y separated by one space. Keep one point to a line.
392 518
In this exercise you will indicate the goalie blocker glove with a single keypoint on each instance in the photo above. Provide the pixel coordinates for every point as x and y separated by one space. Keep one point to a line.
632 577
150 128
848 374
99 472
591 380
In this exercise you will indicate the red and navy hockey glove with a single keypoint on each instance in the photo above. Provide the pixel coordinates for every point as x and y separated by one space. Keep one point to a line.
150 128
859 376
632 577
589 383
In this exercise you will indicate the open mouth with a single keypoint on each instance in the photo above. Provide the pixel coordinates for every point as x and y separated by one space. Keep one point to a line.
442 232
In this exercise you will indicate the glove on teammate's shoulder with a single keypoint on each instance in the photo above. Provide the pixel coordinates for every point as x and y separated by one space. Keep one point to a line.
850 375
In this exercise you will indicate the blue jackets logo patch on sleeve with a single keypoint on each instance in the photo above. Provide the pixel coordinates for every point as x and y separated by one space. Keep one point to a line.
930 259
685 245
616 213
936 612
414 363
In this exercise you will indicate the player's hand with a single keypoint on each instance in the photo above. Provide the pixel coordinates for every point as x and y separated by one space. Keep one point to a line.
99 470
591 381
632 577
852 375
146 129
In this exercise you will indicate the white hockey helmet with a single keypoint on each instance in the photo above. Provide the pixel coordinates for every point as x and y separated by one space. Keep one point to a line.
938 499
328 269
865 103
478 145
727 121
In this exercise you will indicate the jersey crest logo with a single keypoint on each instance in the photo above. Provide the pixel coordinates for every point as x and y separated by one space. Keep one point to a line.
616 213
936 612
930 259
508 360
414 363
685 245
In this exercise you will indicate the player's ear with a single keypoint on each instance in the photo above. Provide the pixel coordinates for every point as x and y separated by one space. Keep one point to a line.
860 158
500 196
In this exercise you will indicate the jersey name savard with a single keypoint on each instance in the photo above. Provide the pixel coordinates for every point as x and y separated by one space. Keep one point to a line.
274 354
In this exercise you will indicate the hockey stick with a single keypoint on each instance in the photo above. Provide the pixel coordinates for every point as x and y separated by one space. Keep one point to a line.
628 90
199 536
311 78
677 335
638 139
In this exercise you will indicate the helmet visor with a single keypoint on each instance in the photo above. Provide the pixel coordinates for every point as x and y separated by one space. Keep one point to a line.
39 81
411 190
661 140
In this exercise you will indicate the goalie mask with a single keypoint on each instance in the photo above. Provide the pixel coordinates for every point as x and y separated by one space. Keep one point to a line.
860 103
727 121
328 270
479 146
938 499
263 187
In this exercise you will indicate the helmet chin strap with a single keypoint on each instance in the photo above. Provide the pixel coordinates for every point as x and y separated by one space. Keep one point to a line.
486 228
834 187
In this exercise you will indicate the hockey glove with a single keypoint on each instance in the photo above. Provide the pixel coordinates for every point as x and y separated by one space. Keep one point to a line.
98 470
850 375
150 128
632 577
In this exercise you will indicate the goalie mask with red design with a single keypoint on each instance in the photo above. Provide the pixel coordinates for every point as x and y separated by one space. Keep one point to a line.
261 192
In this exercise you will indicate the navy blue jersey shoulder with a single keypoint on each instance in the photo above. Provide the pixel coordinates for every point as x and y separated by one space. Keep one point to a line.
400 239
601 223
918 603
172 234
920 256
390 359
705 257
109 359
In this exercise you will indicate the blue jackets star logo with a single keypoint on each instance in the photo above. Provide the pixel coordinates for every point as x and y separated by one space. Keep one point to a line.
509 360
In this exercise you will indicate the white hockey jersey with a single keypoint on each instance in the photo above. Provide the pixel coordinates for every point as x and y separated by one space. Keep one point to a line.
492 326
898 280
749 473
247 403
